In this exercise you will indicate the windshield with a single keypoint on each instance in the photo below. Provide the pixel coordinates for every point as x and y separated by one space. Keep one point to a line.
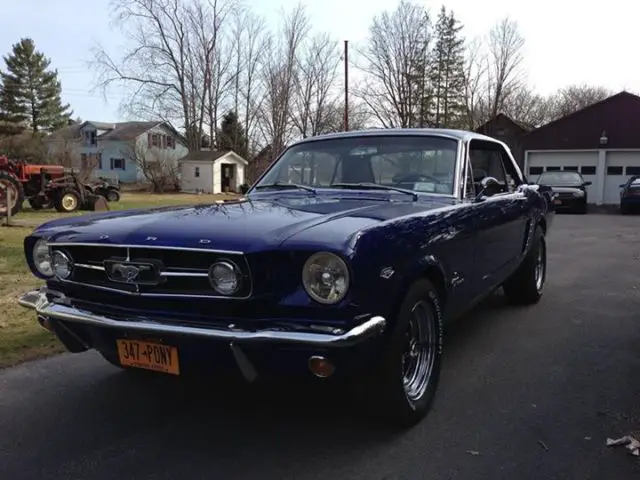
560 178
417 163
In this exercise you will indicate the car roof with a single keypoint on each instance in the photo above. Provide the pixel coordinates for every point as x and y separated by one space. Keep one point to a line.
389 132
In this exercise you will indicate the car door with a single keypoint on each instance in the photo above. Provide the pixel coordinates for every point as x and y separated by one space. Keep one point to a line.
502 216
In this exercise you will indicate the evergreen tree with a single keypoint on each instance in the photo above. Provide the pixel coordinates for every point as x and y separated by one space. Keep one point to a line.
231 135
30 92
447 74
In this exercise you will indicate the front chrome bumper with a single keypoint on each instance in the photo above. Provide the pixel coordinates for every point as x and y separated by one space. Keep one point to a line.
61 309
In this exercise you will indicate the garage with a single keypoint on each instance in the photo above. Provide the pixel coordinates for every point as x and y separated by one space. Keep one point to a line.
584 162
620 166
592 141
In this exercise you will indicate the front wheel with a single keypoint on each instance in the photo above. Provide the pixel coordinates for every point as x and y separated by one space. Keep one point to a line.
402 386
68 201
525 285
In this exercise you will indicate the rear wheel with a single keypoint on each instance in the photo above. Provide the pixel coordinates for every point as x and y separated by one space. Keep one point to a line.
10 187
526 284
624 208
402 386
67 201
113 195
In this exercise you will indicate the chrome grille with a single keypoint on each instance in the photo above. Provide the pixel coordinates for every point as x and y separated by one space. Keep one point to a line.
181 272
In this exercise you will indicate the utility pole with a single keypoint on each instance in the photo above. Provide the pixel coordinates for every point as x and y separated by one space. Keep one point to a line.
346 85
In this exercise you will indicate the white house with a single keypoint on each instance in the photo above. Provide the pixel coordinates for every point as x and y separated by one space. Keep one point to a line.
118 149
212 171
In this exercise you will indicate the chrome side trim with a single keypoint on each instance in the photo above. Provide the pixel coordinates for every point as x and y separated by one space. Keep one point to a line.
156 247
37 300
89 267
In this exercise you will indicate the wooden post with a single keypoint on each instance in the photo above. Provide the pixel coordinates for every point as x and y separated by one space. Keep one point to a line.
8 196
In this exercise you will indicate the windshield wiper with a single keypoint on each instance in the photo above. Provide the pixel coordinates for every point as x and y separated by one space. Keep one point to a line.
374 186
283 185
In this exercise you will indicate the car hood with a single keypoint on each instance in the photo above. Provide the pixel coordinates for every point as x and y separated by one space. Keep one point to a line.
247 225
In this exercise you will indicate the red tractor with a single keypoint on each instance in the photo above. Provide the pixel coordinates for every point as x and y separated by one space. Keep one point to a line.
42 186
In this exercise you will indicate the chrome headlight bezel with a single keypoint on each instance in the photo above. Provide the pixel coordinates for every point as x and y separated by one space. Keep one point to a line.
41 258
230 266
320 260
58 257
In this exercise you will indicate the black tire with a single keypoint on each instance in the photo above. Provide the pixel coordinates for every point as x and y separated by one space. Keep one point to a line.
112 195
36 203
525 285
10 181
384 385
582 209
68 200
624 209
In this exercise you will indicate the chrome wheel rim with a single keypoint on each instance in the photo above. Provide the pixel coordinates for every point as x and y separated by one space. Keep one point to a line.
69 202
540 266
418 356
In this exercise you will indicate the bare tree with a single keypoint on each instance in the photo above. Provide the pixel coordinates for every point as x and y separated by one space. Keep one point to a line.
250 42
314 96
279 75
158 168
396 62
171 68
504 63
474 83
575 97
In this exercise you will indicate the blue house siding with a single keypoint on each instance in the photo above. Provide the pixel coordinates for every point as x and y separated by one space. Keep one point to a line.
115 154
110 147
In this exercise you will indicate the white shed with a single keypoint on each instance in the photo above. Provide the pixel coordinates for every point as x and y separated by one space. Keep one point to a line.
212 171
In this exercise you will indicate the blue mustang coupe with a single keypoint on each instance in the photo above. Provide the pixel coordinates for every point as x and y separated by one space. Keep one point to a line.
343 261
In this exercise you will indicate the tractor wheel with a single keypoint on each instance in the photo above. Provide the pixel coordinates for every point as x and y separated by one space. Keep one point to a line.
10 183
67 201
112 195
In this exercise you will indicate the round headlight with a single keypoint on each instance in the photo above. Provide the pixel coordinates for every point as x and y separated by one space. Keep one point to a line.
61 264
224 277
42 258
325 277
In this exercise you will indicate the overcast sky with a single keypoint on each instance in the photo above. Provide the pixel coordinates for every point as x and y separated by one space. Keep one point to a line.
566 41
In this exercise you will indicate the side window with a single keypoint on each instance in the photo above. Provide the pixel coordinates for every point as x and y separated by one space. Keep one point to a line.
490 159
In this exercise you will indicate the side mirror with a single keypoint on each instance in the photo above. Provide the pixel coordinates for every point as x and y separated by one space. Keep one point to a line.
587 183
623 185
244 188
490 186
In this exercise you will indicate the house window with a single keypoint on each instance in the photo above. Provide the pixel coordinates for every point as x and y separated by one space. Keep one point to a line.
171 143
99 157
588 170
197 172
614 170
553 169
570 169
633 170
117 164
535 170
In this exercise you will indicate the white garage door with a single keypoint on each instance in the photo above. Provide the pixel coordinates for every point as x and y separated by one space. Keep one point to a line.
583 162
620 166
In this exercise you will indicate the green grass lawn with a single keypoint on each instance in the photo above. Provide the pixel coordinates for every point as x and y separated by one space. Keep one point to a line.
21 337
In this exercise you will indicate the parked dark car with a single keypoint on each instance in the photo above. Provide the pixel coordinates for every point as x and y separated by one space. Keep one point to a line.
343 261
569 188
630 195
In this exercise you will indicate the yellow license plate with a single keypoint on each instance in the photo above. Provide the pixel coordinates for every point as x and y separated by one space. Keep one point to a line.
148 355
